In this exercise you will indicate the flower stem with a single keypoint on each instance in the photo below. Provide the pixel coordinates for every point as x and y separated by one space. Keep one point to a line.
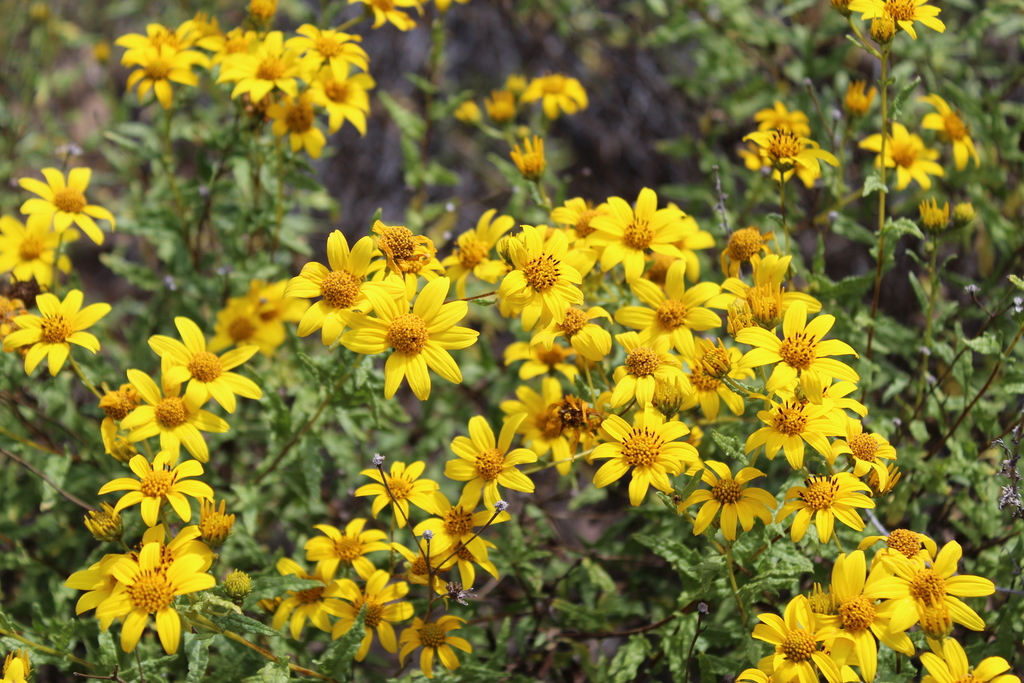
880 255
279 217
732 582
81 375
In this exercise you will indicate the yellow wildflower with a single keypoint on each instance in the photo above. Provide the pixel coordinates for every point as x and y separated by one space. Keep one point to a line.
386 10
378 599
778 117
867 451
433 637
589 340
50 336
906 152
857 102
501 106
159 484
348 548
344 96
787 151
327 45
792 423
159 66
541 286
540 361
730 495
472 253
28 252
296 119
558 93
405 487
66 203
903 12
950 665
646 367
314 603
484 463
798 641
825 498
952 127
530 159
271 65
468 112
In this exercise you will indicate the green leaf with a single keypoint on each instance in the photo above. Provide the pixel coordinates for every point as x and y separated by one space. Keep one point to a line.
197 652
896 108
986 344
730 445
873 183
273 672
483 302
409 123
339 655
1017 282
628 659
239 623
903 226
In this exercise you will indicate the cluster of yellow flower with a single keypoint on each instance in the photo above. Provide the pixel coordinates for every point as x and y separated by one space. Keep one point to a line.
557 93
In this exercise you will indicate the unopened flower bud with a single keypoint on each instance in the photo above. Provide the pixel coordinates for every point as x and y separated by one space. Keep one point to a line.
530 159
237 585
104 524
714 360
934 218
469 113
883 29
669 397
857 102
215 524
963 214
842 6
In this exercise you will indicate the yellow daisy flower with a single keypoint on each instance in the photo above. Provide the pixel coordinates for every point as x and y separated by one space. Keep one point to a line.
348 548
530 159
236 41
627 234
159 66
778 117
177 421
272 305
157 36
381 610
674 313
417 572
159 484
951 665
433 637
577 214
314 604
540 361
500 106
484 463
857 102
327 45
66 203
295 118
801 353
646 367
454 525
419 338
591 341
240 323
405 252
185 542
207 374
708 366
544 428
344 97
472 253
730 495
558 93
798 640
150 589
385 11
29 252
743 245
99 583
825 498
767 299
651 447
271 65
909 544
51 335
906 152
866 451
406 487
903 12
788 151
952 127
919 584
541 286
342 287
16 667
215 524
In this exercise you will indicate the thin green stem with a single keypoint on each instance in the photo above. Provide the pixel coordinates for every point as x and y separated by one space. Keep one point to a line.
26 442
882 194
733 584
43 648
279 202
81 375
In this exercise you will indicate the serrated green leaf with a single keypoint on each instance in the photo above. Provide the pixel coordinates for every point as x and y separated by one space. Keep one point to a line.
873 183
903 226
239 623
274 672
628 659
197 653
1017 282
730 445
986 344
896 108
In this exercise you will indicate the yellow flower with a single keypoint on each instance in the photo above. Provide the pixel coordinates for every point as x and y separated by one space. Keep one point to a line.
788 151
541 286
174 419
385 11
99 583
29 252
545 426
66 203
342 287
903 12
235 41
501 106
343 96
262 11
859 616
540 361
272 305
672 314
472 253
104 524
51 335
271 65
932 217
778 117
156 36
646 367
919 584
327 45
348 548
240 323
866 451
907 153
743 245
857 102
419 339
214 523
433 637
578 213
798 644
826 498
417 572
651 448
558 93
530 159
950 666
801 353
730 495
406 252
159 484
314 603
206 374
378 599
468 112
485 464
707 388
457 538
150 589
627 234
159 66
905 542
515 84
591 341
295 118
952 127
16 667
406 487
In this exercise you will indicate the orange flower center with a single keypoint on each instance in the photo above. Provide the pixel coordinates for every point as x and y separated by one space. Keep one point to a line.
327 46
789 420
864 447
542 272
672 314
408 334
310 594
820 492
56 329
374 611
398 241
236 44
583 223
151 591
928 587
241 329
905 542
458 522
299 117
798 645
554 84
158 69
205 366
336 91
400 487
903 153
744 243
726 491
702 381
955 127
464 554
798 351
171 412
348 548
69 200
31 248
900 10
642 447
117 404
642 362
431 635
340 289
857 613
638 235
157 483
553 357
783 145
490 463
472 253
270 69
575 320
